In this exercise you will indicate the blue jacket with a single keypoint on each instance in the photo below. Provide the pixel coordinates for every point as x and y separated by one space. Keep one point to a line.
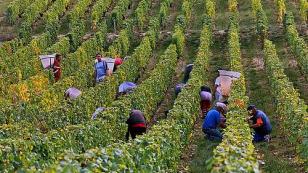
266 128
212 119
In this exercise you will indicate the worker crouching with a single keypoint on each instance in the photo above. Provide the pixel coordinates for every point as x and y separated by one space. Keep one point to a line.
214 120
136 124
259 121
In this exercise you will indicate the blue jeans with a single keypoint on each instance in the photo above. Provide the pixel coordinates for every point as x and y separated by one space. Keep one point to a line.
258 137
100 79
213 134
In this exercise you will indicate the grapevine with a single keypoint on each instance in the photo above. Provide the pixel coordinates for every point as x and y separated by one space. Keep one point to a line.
140 55
167 137
98 11
236 151
210 6
16 9
303 10
281 10
42 129
287 101
298 44
141 11
261 19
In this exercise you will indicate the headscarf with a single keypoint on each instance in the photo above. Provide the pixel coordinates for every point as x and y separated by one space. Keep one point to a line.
223 106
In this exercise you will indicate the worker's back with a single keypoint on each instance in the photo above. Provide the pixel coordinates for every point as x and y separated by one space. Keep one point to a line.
101 69
212 119
136 117
127 87
72 93
266 127
136 124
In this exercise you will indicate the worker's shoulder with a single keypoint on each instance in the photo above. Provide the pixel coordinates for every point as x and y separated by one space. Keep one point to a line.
213 112
260 112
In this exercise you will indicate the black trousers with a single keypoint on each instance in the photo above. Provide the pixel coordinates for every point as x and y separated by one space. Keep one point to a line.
134 131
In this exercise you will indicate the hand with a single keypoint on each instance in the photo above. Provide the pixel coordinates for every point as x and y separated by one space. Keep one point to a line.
223 125
108 72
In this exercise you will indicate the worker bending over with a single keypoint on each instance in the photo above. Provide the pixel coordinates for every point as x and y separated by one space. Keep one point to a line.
136 124
214 120
179 87
259 121
205 99
72 93
187 72
126 88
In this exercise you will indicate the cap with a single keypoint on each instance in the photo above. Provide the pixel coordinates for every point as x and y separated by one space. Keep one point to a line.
250 107
222 105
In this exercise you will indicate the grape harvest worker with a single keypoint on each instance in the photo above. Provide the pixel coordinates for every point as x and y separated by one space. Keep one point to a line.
179 87
214 120
117 62
57 68
136 124
260 123
101 69
187 71
72 93
126 88
205 99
